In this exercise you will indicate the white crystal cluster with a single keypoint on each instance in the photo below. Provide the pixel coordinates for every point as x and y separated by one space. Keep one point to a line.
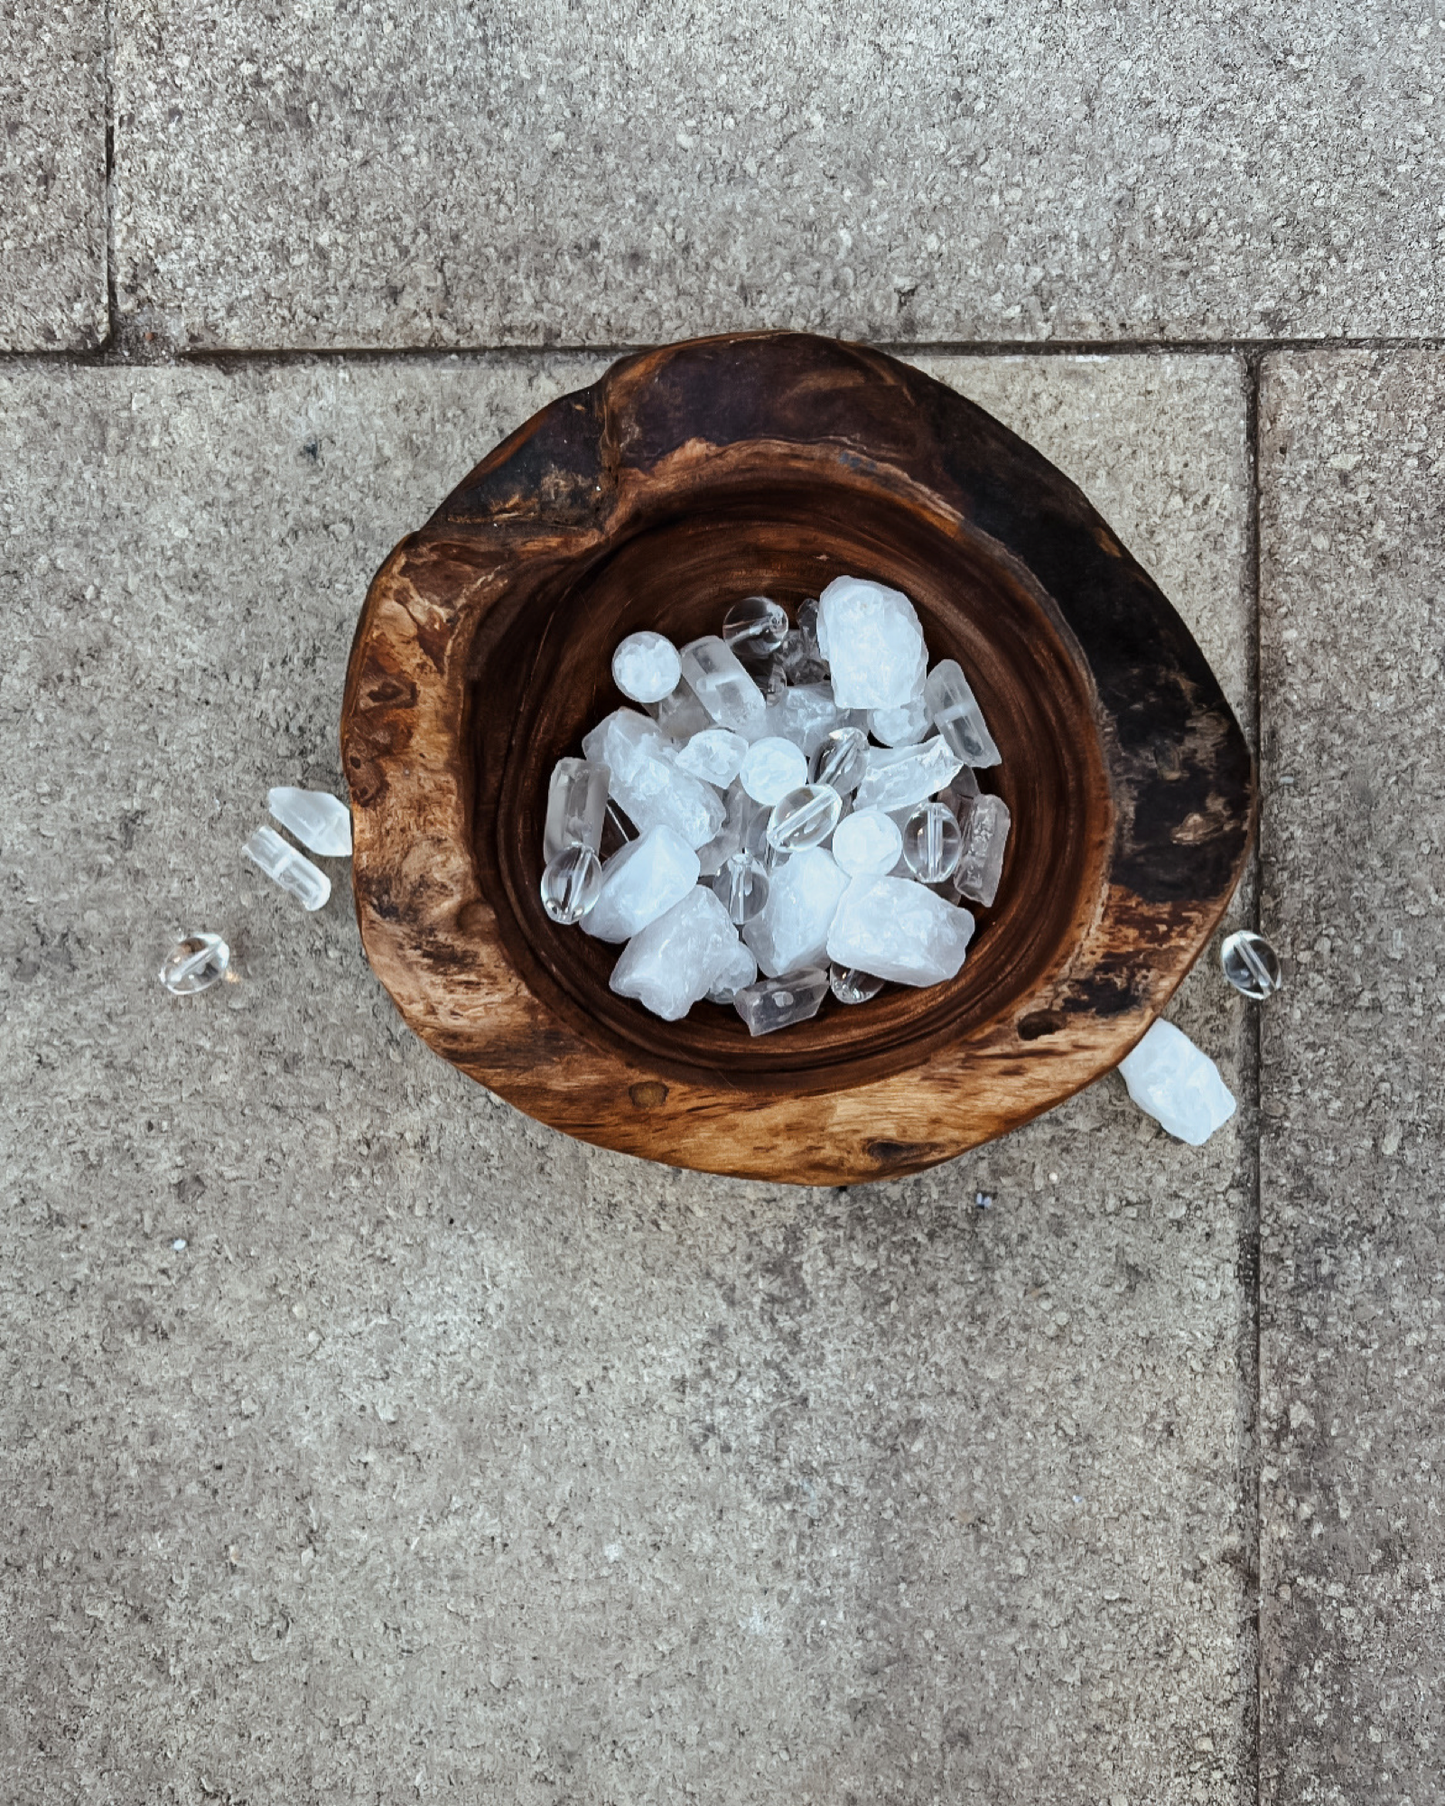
791 811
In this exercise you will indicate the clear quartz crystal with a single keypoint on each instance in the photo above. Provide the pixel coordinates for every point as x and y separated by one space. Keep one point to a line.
980 862
773 767
571 884
932 842
959 792
640 882
676 960
293 871
646 667
897 929
867 844
954 709
1251 965
755 626
319 820
723 687
802 662
742 887
715 755
873 643
195 964
576 806
646 781
1180 1087
841 759
792 928
774 1003
900 777
771 679
680 715
899 727
737 970
616 831
849 985
804 818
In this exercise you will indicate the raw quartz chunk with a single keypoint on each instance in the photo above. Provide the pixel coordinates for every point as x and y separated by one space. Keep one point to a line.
955 711
676 960
646 780
897 929
645 667
792 928
319 820
1180 1087
985 836
870 636
900 727
640 883
576 806
723 687
775 1003
901 777
739 968
806 714
715 755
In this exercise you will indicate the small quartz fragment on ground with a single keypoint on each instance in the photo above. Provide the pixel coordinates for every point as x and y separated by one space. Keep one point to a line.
867 843
195 964
775 1003
772 768
647 782
792 929
723 686
985 838
715 755
646 667
319 820
576 806
954 708
896 929
1172 1081
640 883
675 961
293 871
873 643
901 777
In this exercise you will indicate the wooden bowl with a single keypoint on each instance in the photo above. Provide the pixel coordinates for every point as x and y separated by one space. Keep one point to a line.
686 478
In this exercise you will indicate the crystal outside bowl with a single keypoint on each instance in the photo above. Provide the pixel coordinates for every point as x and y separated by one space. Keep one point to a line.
686 478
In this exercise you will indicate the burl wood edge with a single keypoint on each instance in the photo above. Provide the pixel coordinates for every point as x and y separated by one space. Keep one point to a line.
454 712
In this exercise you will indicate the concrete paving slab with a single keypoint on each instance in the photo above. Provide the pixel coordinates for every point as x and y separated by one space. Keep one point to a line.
52 176
364 1439
1352 1322
323 176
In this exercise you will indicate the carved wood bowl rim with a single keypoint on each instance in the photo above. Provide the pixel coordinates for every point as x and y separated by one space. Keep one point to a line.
482 654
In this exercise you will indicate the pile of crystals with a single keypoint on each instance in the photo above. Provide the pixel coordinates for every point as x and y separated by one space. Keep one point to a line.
768 851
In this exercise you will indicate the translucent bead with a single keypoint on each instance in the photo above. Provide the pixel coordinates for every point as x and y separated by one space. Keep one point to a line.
293 871
195 964
576 806
899 727
842 759
571 884
755 626
867 844
954 708
773 767
646 667
1251 965
849 985
932 842
742 887
804 817
319 820
775 1003
737 970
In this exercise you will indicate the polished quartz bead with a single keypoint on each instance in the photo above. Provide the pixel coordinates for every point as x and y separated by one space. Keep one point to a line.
195 964
849 985
739 968
954 708
755 627
645 667
722 686
867 844
772 768
571 884
1251 965
774 1003
932 842
805 817
293 871
742 887
576 806
320 821
842 759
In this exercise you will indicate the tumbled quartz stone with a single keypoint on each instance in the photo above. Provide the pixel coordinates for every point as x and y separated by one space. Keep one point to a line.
640 883
293 871
896 929
571 884
680 715
867 843
841 759
755 626
775 1003
900 777
873 643
675 961
793 927
1180 1087
646 667
715 755
722 686
742 887
954 709
647 782
195 964
804 818
980 862
576 806
319 820
849 985
805 715
773 767
899 727
932 842
737 970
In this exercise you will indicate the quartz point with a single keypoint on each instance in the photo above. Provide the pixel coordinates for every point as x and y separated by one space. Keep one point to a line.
319 820
806 715
742 887
899 930
849 985
646 667
792 928
194 964
722 685
841 759
640 883
900 727
646 781
676 960
932 843
576 806
804 818
1251 965
954 709
870 636
571 884
293 871
755 627
774 1003
715 755
773 767
985 836
1180 1087
680 715
901 777
867 844
737 970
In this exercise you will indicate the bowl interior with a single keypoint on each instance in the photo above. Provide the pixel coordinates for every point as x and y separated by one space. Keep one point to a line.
543 679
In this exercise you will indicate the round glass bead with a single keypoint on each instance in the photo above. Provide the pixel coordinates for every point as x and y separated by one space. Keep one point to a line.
1251 965
755 626
195 964
804 818
932 843
742 887
571 884
849 985
842 759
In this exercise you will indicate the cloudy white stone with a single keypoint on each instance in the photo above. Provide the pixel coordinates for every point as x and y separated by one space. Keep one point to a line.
319 820
772 768
646 667
871 638
792 929
899 930
715 755
640 882
1180 1087
867 843
676 960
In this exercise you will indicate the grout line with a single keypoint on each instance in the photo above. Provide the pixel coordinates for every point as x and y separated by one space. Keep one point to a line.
108 87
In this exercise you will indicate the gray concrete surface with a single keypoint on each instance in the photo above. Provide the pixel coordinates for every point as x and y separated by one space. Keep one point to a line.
1352 1319
556 174
52 176
448 1456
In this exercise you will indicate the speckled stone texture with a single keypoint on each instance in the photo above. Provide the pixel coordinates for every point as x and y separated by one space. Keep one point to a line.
448 1454
333 175
1352 1303
52 176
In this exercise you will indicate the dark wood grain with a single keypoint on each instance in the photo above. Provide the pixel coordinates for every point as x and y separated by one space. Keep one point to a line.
688 477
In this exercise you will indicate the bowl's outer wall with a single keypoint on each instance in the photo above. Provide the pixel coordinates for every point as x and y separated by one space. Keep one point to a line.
441 745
